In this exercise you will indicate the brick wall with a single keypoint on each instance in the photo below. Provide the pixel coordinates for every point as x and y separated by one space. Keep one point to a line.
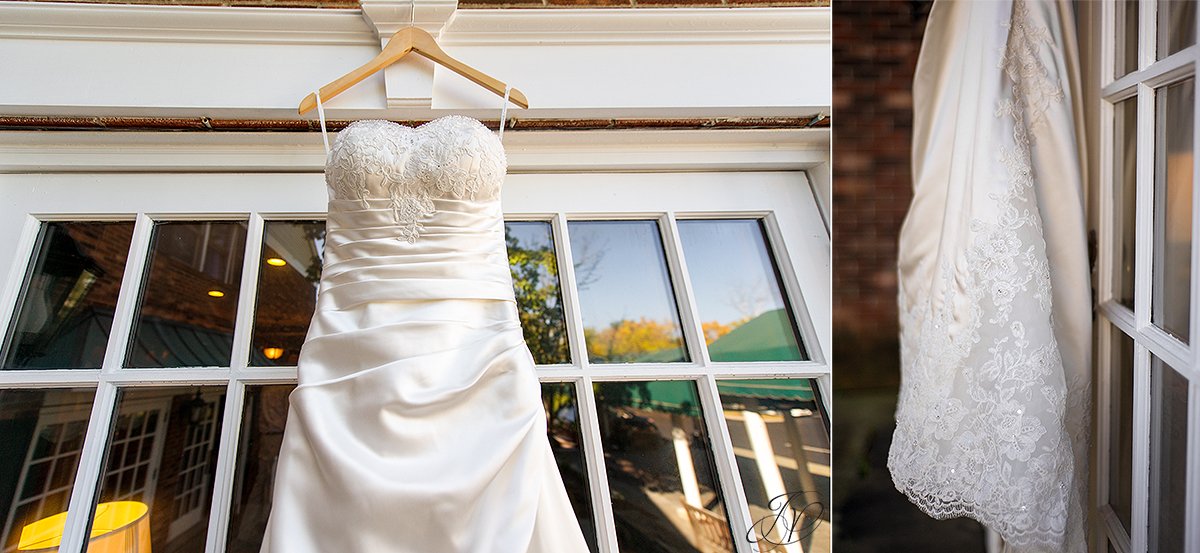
875 47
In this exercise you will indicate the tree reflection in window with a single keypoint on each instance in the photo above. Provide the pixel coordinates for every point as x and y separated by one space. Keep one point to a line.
534 267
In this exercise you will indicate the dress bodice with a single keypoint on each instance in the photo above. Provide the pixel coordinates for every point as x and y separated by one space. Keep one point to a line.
450 157
414 213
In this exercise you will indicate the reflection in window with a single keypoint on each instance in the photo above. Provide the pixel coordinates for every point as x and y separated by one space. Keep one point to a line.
1120 446
781 440
68 298
288 277
1173 189
41 436
1125 39
162 452
1168 456
660 468
263 420
628 307
534 267
1124 199
566 441
189 295
1176 26
742 307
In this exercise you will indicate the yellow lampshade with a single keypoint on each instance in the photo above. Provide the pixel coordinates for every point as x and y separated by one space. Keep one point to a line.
216 293
119 527
273 353
276 261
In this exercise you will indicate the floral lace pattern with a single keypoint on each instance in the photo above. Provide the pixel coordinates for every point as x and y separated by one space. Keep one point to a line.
451 156
988 425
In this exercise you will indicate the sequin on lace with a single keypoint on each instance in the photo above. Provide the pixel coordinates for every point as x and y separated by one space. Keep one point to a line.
450 157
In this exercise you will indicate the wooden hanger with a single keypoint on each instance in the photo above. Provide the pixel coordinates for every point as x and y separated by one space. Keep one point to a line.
410 39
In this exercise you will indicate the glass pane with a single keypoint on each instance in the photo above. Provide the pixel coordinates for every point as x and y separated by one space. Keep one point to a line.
660 468
742 307
263 420
628 306
1126 42
1124 196
1168 456
1176 26
781 439
288 276
1120 434
41 435
566 441
534 269
69 295
1173 188
189 295
171 487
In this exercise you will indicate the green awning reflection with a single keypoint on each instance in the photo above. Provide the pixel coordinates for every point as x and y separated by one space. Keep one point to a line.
794 389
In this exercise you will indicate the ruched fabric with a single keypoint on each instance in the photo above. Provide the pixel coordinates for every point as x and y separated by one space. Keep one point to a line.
417 424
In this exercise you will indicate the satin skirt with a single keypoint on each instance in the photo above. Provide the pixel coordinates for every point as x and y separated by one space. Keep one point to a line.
417 424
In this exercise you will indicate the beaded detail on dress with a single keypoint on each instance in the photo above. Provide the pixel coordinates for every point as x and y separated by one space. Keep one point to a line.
450 157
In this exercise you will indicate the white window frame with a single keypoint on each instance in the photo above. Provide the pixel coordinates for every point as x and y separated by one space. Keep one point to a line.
1151 74
600 175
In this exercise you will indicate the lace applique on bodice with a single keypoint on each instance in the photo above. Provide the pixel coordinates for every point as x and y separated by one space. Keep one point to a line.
452 156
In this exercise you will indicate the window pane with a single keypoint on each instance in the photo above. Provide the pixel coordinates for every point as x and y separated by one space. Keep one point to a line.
1173 207
162 455
1124 195
41 435
1168 457
534 267
1120 436
263 419
566 441
189 295
1176 26
1126 37
288 276
69 295
628 306
737 285
660 468
781 440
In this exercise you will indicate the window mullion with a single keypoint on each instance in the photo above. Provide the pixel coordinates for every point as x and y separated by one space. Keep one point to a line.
593 449
1144 217
685 298
1139 521
91 456
729 480
27 246
91 463
570 292
231 424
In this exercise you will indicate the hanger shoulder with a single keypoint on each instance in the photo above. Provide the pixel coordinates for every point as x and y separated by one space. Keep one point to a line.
407 40
424 44
397 47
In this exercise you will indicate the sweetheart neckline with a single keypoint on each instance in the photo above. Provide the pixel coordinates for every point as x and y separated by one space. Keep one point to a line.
422 125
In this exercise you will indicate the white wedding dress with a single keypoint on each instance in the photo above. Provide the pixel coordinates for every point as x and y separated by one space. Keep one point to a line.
995 312
417 425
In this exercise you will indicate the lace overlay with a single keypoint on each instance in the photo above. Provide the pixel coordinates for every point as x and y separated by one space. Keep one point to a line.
985 427
450 157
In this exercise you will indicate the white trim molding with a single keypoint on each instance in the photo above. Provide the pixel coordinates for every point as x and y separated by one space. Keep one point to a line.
223 62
